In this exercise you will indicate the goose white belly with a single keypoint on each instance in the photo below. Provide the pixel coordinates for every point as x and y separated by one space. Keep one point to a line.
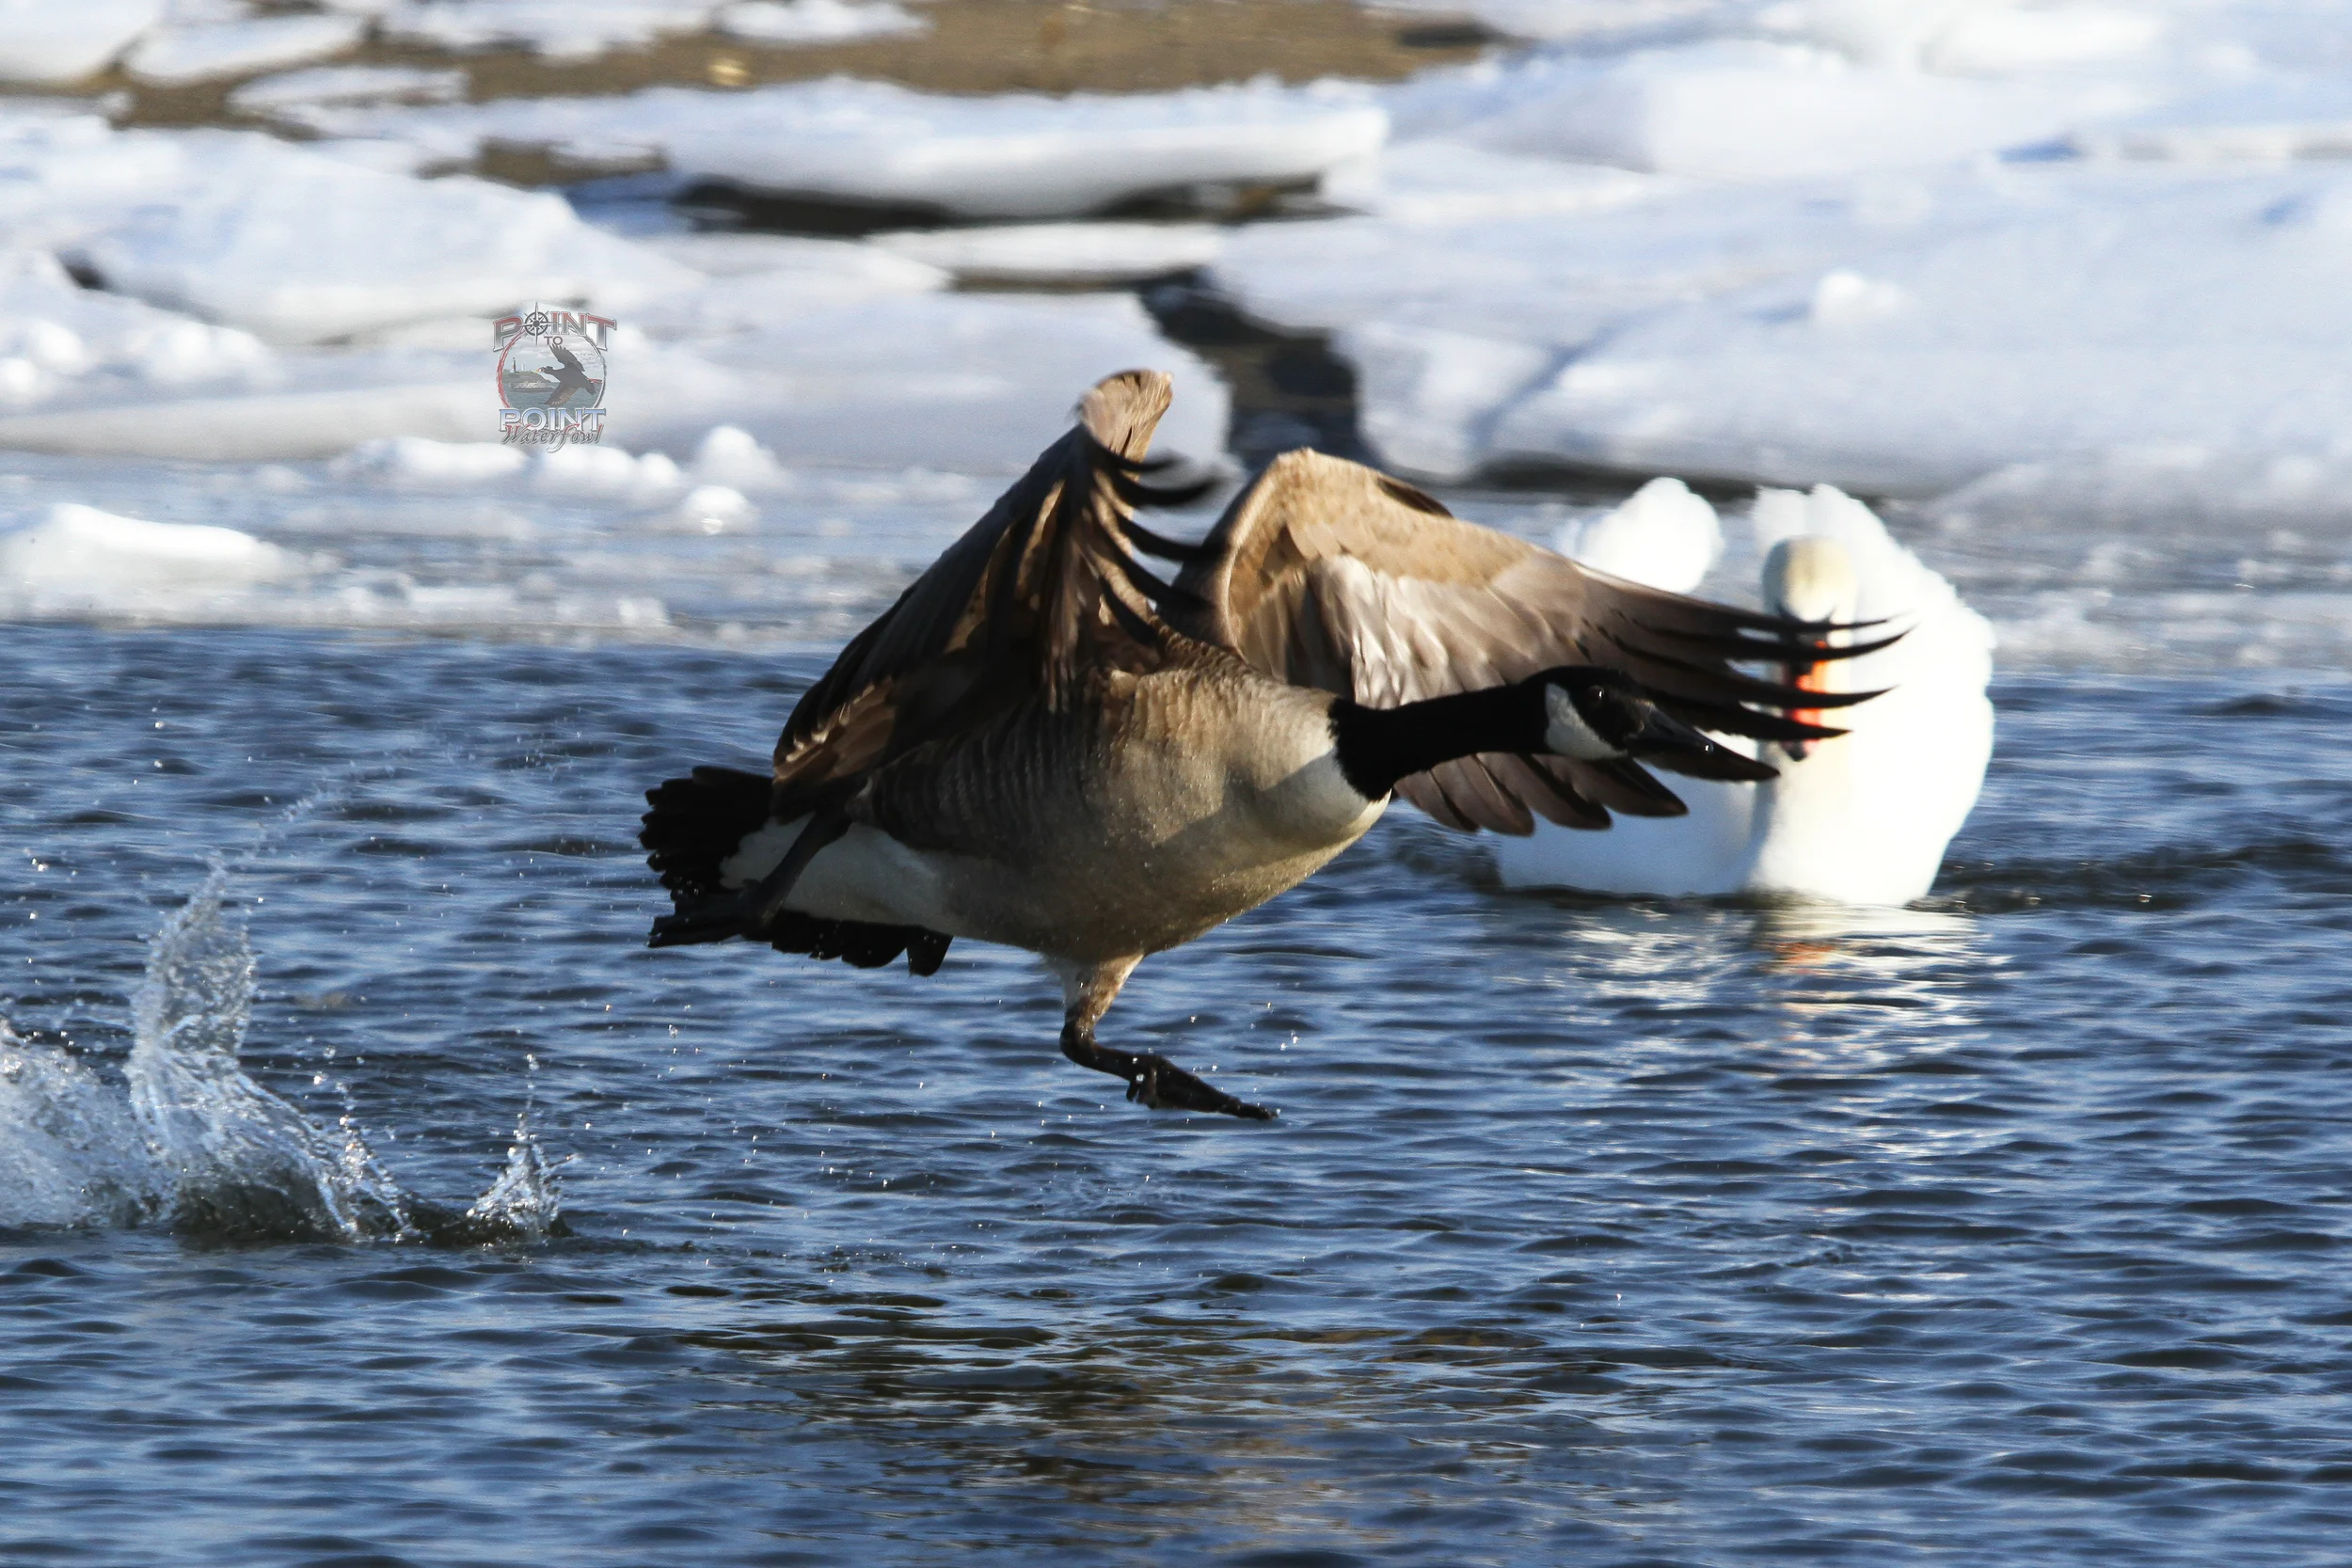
865 874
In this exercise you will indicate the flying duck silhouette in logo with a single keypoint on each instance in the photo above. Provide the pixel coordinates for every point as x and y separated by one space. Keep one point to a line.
572 378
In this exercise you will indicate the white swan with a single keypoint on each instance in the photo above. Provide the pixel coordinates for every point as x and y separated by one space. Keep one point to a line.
1862 818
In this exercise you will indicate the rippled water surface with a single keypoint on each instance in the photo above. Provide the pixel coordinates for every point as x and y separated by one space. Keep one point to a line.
2008 1230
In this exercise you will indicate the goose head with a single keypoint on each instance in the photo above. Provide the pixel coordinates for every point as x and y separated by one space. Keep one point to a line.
1811 578
1596 715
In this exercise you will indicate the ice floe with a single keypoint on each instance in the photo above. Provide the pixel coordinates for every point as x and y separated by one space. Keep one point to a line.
1066 253
815 21
422 462
572 29
1009 156
206 50
329 86
2012 261
77 558
256 301
2087 311
1743 109
954 381
1892 247
61 41
300 248
246 230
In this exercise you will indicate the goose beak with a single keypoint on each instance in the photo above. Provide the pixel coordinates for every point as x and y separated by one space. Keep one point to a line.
1665 741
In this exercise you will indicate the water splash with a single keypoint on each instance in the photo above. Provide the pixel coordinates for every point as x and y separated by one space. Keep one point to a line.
70 1153
526 1200
196 1143
239 1160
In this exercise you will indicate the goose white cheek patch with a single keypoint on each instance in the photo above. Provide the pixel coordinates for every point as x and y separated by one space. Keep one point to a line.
1566 733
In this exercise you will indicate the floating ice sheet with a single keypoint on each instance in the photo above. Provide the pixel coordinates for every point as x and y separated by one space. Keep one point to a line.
1012 156
562 28
61 41
1743 109
1869 249
299 248
1899 329
1066 253
244 229
815 21
2092 310
202 51
76 558
332 84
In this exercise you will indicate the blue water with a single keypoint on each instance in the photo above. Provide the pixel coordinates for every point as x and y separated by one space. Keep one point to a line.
2009 1231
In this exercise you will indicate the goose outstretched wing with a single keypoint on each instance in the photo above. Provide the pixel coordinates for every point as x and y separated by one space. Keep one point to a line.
1040 591
1325 573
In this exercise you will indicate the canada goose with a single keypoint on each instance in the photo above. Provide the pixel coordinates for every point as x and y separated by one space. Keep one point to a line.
1042 744
1861 819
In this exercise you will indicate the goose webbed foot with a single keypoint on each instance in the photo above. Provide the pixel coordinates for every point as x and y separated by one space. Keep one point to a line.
1155 1081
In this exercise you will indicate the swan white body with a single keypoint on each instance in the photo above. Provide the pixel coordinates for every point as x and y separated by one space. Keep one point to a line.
1861 819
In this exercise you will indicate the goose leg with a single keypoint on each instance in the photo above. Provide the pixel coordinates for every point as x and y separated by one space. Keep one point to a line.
1151 1078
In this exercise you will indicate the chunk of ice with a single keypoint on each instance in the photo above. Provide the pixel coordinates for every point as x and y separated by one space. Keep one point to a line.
1075 253
815 21
59 41
176 55
569 29
346 84
427 464
300 248
1010 156
77 557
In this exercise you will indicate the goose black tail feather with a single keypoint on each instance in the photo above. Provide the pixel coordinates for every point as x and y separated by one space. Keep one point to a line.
697 822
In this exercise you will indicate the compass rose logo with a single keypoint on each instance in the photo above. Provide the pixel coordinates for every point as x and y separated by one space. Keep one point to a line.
551 375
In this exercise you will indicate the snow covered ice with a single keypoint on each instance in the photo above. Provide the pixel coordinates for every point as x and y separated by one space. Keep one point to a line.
79 557
1995 262
43 40
205 50
815 21
574 29
257 301
1017 155
1894 247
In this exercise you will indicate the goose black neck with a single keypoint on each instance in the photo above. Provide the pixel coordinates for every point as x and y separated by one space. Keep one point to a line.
1377 746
